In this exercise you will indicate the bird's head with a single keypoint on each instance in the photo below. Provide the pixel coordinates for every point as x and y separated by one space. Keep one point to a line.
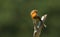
34 13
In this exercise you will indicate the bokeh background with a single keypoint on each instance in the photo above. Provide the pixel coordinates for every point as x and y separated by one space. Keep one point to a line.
15 20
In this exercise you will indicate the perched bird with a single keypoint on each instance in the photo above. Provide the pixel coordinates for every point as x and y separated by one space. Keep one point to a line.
38 23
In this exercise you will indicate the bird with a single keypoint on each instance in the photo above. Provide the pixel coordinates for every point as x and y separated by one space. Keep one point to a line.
38 22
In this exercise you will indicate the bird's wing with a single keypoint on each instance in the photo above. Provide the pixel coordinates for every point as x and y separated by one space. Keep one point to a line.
43 18
39 24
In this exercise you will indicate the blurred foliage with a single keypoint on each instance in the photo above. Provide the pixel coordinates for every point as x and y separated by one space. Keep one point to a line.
15 20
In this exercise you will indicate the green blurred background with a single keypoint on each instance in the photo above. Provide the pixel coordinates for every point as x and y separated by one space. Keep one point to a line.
15 20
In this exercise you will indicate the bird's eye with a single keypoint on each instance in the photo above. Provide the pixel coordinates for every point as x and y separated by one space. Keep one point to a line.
32 13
